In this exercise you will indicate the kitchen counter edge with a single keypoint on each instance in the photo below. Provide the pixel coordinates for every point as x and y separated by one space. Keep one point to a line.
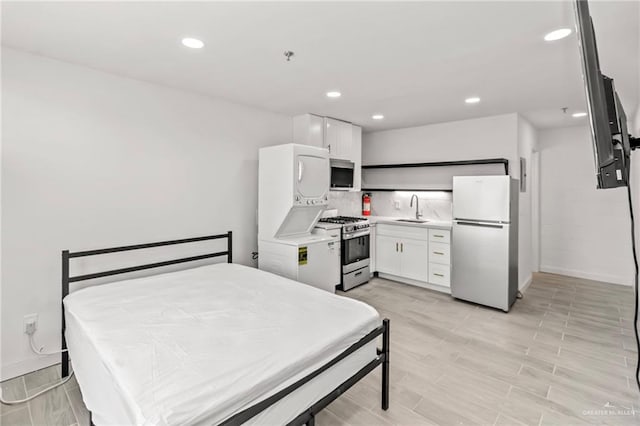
435 224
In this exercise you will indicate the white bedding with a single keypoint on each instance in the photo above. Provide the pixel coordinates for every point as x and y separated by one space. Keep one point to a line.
197 346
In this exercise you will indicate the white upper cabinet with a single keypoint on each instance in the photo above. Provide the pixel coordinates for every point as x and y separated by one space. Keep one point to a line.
338 136
308 129
342 139
356 156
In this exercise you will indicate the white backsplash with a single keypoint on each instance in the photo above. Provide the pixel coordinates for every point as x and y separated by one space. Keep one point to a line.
434 205
347 203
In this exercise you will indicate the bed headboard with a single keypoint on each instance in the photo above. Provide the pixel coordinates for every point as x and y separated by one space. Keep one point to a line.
67 256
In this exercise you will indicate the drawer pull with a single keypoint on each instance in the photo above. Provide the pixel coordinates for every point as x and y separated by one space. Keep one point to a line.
438 275
438 252
438 236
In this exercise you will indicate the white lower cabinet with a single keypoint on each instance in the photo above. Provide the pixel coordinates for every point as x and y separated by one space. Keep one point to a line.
402 251
411 253
413 259
403 257
439 253
440 259
387 254
440 274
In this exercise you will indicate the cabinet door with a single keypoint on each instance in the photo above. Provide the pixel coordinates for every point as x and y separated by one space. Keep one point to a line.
315 131
308 129
345 144
337 138
387 255
414 259
331 136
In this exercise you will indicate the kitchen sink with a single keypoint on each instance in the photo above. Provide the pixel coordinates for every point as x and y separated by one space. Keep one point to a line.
412 220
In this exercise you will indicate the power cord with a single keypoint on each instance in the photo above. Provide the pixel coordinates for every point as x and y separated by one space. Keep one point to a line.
22 401
39 352
635 286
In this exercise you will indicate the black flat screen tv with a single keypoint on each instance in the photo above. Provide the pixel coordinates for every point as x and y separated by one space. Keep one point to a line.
606 115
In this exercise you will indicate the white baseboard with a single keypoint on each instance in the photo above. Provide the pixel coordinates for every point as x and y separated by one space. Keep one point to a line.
20 368
607 278
416 283
524 286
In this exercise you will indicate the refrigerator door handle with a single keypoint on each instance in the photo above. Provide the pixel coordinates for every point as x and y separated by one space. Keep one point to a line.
485 225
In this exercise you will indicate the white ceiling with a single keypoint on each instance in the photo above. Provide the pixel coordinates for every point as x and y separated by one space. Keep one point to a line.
414 62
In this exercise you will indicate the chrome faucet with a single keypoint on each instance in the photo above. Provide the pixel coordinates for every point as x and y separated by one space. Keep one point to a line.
418 215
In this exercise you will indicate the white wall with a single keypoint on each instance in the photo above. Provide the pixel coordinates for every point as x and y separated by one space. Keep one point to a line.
584 231
503 136
489 137
527 143
93 160
1 115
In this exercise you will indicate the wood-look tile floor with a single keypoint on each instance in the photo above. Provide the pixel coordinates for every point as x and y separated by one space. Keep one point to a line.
564 355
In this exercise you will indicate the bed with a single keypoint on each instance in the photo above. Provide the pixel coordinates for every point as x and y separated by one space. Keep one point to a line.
215 344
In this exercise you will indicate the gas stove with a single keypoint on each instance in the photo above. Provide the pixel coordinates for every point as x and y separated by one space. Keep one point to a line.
354 247
342 219
349 223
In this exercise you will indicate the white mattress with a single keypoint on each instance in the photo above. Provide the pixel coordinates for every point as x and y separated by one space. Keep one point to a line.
197 346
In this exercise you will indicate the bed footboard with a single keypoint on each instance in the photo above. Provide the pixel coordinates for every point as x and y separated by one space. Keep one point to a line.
307 417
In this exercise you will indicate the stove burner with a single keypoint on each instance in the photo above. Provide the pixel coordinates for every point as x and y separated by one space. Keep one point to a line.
342 220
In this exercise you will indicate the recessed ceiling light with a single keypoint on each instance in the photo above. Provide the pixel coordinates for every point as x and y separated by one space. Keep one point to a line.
472 100
193 43
557 34
578 114
334 94
377 116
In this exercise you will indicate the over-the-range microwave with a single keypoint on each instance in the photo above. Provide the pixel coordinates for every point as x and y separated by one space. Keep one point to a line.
341 174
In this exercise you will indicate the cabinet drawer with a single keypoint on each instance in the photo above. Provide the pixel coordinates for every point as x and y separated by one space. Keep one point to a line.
401 231
440 274
440 235
439 253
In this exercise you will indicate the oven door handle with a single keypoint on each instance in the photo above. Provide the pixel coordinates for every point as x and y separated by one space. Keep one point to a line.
355 235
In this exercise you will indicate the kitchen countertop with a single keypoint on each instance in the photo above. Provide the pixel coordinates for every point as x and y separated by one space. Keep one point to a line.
438 224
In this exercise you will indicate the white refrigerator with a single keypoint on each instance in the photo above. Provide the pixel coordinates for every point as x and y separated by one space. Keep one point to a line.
485 240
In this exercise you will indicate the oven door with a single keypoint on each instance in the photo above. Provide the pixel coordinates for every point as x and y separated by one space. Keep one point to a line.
355 251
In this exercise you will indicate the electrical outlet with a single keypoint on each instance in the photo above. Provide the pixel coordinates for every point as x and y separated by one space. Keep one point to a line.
30 323
396 204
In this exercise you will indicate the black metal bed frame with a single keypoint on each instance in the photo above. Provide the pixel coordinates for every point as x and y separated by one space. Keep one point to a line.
307 417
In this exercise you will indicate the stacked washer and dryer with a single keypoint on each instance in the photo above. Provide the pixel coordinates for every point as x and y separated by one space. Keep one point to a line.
293 191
